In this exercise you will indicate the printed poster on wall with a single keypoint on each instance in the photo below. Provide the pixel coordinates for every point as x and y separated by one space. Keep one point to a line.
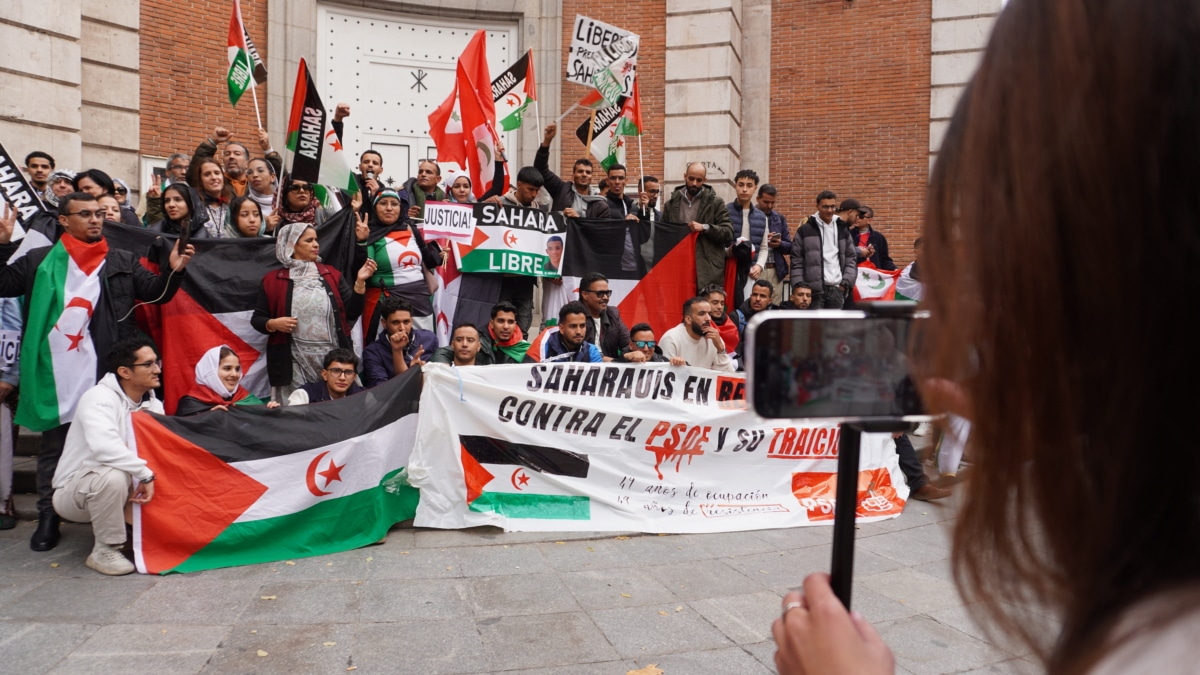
614 447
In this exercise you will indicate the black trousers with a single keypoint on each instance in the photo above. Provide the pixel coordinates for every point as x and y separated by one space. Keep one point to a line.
910 464
519 291
53 441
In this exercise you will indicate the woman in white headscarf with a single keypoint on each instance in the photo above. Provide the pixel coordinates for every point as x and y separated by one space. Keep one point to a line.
306 308
218 384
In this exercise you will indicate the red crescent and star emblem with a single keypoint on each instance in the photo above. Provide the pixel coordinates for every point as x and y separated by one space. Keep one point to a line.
519 478
408 260
86 305
334 143
332 472
513 100
510 239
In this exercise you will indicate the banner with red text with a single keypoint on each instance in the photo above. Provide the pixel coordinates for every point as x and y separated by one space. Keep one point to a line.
614 447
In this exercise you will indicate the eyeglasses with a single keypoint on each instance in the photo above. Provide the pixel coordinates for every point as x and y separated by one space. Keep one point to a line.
600 294
341 372
88 214
299 188
148 364
642 344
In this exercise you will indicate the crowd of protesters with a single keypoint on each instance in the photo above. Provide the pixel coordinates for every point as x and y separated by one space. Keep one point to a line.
307 308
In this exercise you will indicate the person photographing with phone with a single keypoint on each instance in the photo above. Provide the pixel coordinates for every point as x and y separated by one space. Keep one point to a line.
1085 508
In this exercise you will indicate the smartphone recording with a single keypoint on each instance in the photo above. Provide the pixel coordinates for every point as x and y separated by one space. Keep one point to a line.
834 365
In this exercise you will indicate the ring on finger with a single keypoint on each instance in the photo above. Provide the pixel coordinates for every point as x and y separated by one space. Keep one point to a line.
795 604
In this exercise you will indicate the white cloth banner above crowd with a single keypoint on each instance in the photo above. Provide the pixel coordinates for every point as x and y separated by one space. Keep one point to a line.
652 448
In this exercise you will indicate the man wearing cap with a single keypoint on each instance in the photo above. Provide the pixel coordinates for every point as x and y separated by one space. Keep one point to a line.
870 245
823 254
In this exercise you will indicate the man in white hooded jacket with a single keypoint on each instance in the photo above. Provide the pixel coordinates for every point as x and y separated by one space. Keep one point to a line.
95 479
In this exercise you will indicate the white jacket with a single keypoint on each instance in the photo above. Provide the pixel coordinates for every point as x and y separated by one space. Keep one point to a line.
101 432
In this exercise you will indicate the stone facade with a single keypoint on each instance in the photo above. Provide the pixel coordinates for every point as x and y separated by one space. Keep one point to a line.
960 32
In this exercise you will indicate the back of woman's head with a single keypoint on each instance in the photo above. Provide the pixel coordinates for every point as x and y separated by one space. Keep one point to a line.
1060 243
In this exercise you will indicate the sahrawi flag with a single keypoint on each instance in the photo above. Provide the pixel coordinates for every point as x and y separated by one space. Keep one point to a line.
217 298
516 480
463 126
58 359
253 485
513 91
875 284
319 158
606 144
242 61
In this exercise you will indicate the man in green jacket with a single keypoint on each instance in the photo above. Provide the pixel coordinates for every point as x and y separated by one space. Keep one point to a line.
699 206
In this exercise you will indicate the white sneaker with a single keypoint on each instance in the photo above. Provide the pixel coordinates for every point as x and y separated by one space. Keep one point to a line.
108 560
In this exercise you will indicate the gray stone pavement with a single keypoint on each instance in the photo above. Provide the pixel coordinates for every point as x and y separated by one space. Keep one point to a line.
485 601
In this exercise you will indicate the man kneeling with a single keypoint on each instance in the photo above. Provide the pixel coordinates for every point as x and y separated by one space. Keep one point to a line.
95 477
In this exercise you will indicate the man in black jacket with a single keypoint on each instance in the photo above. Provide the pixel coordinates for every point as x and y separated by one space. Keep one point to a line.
108 319
823 255
574 199
605 329
870 245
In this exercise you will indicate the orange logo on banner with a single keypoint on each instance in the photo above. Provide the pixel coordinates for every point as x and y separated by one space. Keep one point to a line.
817 494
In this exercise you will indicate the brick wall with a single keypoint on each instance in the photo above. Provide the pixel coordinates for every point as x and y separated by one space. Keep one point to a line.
183 68
647 20
850 109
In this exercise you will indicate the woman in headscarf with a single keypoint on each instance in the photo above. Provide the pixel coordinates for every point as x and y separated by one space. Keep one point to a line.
183 210
218 384
128 213
207 177
459 190
306 308
401 256
60 184
298 205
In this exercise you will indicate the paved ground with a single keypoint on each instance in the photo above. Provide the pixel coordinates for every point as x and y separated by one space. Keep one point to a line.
483 601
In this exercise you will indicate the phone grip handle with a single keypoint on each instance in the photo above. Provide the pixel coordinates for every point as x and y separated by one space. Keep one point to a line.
842 567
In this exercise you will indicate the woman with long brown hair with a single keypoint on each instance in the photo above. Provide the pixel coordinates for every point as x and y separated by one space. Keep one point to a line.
1059 262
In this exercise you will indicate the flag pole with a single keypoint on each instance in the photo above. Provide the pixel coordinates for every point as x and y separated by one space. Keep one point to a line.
562 116
591 130
641 167
537 119
257 114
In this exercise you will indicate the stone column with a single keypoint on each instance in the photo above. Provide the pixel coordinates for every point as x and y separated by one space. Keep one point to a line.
756 83
39 85
960 32
703 116
110 88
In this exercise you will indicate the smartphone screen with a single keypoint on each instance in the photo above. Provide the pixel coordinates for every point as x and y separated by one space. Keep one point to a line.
837 365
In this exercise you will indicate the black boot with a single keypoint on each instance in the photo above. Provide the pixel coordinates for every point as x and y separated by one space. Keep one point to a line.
45 537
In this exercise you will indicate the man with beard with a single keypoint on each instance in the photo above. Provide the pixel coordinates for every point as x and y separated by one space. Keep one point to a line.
567 341
504 340
731 331
695 341
801 297
39 165
425 186
235 157
759 301
697 205
399 345
574 199
117 280
605 329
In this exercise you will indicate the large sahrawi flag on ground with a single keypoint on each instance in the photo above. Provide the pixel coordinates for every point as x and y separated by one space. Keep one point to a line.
58 343
215 302
254 485
614 447
319 157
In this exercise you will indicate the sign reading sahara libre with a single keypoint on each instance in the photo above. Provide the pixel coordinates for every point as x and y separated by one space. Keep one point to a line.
514 240
604 447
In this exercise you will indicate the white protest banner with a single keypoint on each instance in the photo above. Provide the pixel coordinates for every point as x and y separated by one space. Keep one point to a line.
514 240
615 447
614 68
446 220
590 36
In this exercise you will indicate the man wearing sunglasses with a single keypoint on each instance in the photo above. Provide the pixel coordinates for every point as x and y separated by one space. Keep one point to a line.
95 479
605 329
339 370
97 302
643 343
